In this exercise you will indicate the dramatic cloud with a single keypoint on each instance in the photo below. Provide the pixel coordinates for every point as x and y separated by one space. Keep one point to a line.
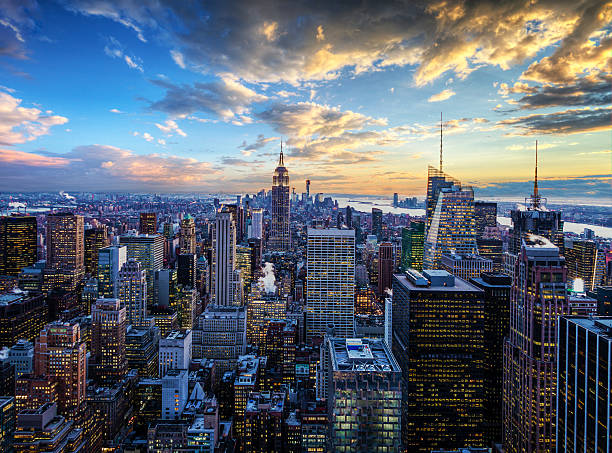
114 49
565 122
442 96
15 17
21 124
104 167
248 149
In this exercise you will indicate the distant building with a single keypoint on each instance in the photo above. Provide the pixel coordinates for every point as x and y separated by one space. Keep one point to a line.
95 239
280 230
65 242
584 261
485 214
148 223
386 267
377 224
22 316
413 239
187 238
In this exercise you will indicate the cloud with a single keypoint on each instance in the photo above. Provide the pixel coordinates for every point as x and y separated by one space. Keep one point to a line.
441 96
104 167
593 90
178 58
226 98
114 49
20 124
16 19
596 186
115 111
148 137
237 162
170 127
260 142
565 122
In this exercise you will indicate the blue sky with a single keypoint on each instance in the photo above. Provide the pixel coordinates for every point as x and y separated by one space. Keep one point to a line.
165 96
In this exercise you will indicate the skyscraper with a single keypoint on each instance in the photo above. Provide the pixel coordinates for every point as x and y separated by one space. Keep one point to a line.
226 281
133 292
538 298
386 266
95 239
108 328
330 282
436 180
584 394
256 226
485 214
149 251
280 231
110 261
65 241
187 238
583 261
17 243
438 341
413 239
148 223
377 223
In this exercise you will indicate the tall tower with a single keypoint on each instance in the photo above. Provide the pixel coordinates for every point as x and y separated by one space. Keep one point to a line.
133 292
537 298
17 243
280 232
65 241
187 239
108 328
226 281
95 239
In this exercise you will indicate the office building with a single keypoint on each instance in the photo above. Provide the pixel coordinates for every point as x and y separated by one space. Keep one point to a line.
187 237
226 279
175 393
436 181
485 215
95 239
133 292
584 394
148 223
330 282
413 239
386 267
65 242
108 328
538 298
264 422
585 261
22 316
280 230
18 246
377 224
175 351
364 396
164 285
465 266
21 356
185 304
262 308
141 346
492 249
186 272
7 422
244 262
256 226
110 261
148 250
438 341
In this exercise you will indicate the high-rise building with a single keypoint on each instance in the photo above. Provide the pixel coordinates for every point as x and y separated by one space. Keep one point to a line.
95 239
364 396
108 328
436 180
148 223
133 292
256 226
110 261
465 266
141 346
244 262
21 356
7 422
538 298
386 266
330 282
149 251
60 356
413 239
438 341
18 246
187 238
349 217
493 249
175 351
226 279
584 394
582 259
377 224
65 241
186 272
485 215
21 316
185 303
496 289
280 230
451 226
175 393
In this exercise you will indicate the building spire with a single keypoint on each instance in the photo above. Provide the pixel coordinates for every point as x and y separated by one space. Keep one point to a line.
440 141
281 160
536 195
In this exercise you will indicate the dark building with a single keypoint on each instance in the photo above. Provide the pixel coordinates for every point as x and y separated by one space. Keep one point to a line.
377 222
413 240
95 239
148 223
186 274
496 289
17 244
21 316
438 341
603 295
584 394
492 249
386 266
349 217
485 214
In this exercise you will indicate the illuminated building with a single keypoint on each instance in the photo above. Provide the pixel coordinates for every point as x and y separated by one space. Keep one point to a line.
364 396
21 316
330 282
148 403
21 356
203 277
377 223
149 251
243 263
148 223
18 247
185 303
175 351
31 392
164 286
186 272
436 181
141 350
246 382
264 417
451 226
581 305
187 237
133 292
538 298
256 226
583 260
226 284
165 319
465 266
492 249
43 430
60 355
110 261
584 394
485 215
413 239
438 341
7 422
65 242
386 266
108 327
261 308
31 278
280 231
175 393
95 239
89 294
315 428
366 302
496 289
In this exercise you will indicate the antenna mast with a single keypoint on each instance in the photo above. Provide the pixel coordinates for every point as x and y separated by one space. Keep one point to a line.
536 195
440 141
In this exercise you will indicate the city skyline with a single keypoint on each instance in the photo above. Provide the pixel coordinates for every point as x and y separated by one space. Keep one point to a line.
149 97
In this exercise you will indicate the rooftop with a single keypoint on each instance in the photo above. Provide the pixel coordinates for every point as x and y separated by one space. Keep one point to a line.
361 355
458 284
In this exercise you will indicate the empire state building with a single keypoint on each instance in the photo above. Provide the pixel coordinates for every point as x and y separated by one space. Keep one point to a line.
280 232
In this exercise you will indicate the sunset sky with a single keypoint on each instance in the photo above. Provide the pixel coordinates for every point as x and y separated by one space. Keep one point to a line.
180 96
